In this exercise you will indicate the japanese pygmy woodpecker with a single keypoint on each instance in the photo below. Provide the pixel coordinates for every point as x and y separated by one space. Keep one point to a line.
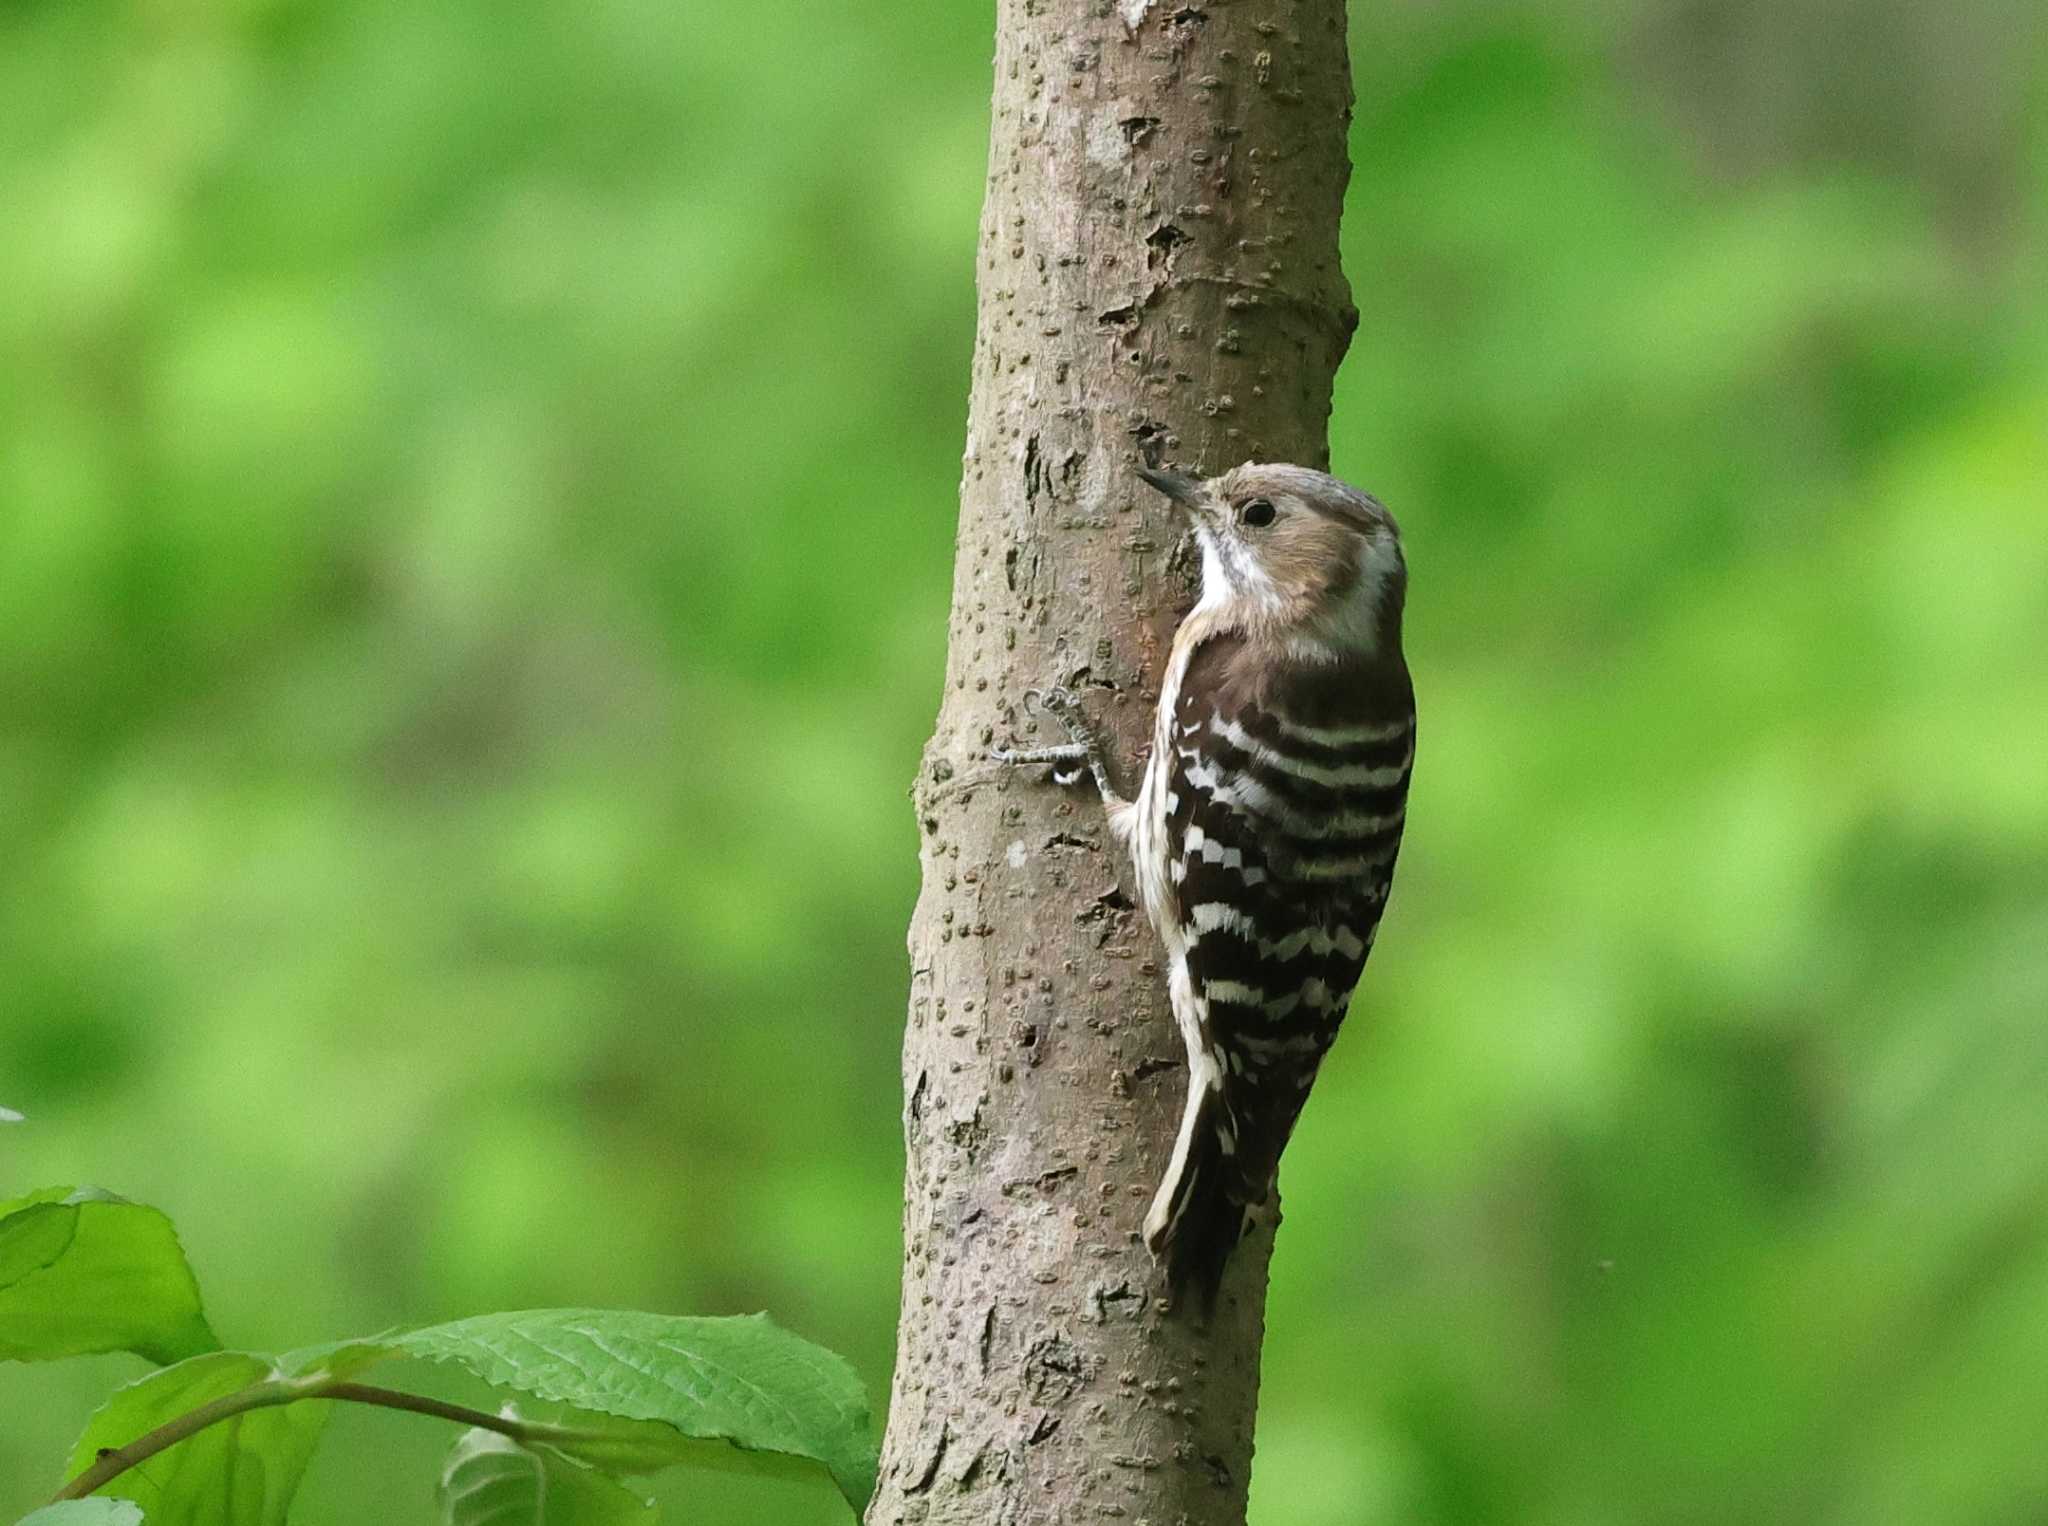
1265 831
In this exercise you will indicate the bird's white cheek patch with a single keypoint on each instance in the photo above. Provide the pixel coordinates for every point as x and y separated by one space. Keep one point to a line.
1216 589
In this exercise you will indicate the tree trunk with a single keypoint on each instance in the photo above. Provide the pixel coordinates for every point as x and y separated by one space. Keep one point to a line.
1158 276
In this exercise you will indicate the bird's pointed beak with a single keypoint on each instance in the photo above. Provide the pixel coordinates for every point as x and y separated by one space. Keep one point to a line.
1181 488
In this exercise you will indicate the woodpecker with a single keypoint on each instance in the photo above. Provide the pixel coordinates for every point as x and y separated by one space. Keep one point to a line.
1265 830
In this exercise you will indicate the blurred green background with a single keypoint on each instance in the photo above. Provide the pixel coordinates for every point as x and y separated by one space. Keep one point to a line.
476 494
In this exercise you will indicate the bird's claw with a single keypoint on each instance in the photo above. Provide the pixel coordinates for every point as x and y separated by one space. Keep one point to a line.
1058 701
1082 755
1070 760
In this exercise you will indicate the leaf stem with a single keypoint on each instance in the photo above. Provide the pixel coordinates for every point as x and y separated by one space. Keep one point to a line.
115 1461
420 1404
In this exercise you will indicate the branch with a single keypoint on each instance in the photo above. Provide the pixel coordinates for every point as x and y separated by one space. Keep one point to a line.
115 1461
1159 282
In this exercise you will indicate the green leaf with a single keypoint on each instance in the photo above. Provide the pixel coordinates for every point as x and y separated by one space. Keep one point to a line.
92 1512
634 1447
738 1392
242 1471
84 1271
491 1480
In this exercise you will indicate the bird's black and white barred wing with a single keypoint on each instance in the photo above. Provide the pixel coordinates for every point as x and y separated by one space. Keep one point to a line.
1280 836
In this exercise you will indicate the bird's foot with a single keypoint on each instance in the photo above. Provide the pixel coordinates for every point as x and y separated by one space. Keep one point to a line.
1084 754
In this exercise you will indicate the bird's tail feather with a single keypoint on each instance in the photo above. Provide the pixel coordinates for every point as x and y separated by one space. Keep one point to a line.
1196 1218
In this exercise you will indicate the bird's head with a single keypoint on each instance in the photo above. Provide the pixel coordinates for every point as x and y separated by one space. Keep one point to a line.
1296 555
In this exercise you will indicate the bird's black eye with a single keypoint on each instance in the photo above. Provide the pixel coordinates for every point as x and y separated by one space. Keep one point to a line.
1258 513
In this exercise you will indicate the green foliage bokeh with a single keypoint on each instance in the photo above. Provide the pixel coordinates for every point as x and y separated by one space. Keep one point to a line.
476 488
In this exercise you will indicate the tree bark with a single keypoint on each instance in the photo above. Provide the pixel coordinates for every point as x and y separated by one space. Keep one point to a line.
1158 276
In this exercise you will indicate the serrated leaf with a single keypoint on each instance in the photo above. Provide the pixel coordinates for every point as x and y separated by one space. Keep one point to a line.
733 1392
242 1471
491 1480
92 1512
83 1271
